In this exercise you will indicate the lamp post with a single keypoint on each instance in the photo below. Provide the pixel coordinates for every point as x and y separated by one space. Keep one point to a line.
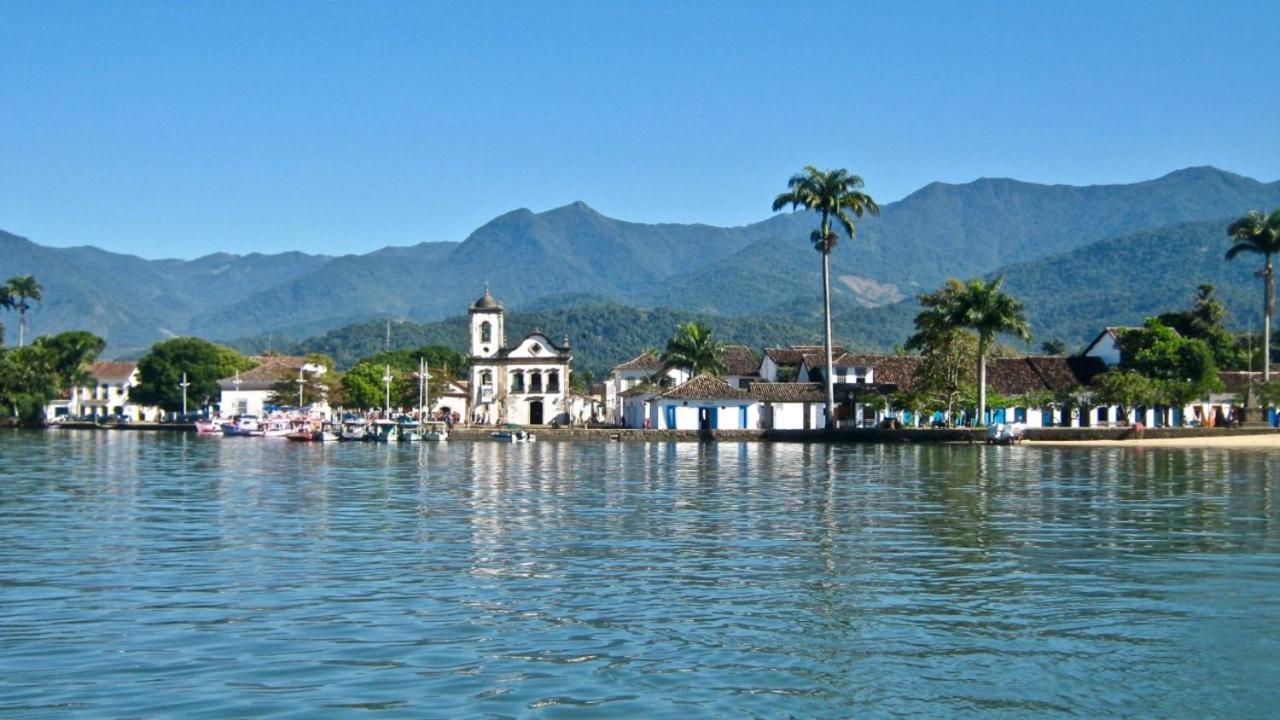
184 385
301 382
386 379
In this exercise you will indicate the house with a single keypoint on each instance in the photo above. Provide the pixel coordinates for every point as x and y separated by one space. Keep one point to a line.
448 398
846 368
741 368
247 393
526 383
790 406
782 364
704 403
106 396
638 372
1047 376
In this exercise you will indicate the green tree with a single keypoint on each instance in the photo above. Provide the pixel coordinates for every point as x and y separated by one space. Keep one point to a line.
1205 321
20 289
1124 388
448 362
28 381
72 353
694 349
1181 368
1260 234
1053 347
160 372
837 196
978 306
363 386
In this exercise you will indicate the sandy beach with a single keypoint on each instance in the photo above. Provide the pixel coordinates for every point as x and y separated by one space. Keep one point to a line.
1260 441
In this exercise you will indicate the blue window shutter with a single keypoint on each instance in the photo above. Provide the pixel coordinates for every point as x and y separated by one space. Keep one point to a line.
671 417
742 415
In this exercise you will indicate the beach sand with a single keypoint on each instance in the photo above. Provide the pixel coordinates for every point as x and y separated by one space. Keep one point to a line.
1261 441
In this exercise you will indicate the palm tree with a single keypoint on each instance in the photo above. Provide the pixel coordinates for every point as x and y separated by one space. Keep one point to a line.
20 289
837 195
982 307
6 303
692 348
1259 233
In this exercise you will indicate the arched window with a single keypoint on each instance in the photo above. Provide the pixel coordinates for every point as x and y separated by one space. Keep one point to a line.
535 382
553 382
486 378
517 381
486 331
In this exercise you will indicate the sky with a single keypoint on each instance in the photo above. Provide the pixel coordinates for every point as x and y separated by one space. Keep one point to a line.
178 129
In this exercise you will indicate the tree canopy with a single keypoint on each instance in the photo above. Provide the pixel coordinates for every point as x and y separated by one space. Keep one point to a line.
160 372
694 349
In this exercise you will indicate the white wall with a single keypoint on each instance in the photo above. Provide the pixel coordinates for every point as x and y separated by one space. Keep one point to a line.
728 418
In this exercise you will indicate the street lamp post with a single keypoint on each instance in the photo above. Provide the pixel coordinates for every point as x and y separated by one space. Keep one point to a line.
301 382
386 379
184 385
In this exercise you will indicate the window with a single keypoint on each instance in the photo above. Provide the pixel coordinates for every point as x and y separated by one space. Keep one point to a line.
486 378
535 382
517 381
553 382
486 331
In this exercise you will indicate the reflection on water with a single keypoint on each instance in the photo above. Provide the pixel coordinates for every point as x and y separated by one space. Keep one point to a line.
146 575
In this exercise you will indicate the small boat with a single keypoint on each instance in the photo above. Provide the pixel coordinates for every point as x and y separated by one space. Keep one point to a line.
384 431
514 434
208 427
243 426
435 431
278 427
1005 433
306 436
353 429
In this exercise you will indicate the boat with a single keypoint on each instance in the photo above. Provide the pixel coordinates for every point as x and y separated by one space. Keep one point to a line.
353 428
208 427
435 431
384 431
1005 433
306 436
279 427
513 433
243 426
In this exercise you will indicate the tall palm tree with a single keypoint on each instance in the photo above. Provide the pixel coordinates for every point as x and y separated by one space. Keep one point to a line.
1259 233
6 303
982 307
22 288
694 349
836 195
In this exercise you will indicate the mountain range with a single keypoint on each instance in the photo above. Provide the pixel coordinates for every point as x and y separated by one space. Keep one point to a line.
1080 257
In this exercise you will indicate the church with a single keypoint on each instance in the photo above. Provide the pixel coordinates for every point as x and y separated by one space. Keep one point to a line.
525 384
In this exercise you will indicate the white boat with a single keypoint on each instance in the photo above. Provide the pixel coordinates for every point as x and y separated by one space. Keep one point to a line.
435 431
1005 433
384 431
515 436
243 426
353 429
279 427
208 427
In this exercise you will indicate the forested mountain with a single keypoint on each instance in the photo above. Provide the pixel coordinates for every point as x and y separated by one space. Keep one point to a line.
553 259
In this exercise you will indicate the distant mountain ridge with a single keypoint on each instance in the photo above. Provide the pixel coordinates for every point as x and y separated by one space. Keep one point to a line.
572 253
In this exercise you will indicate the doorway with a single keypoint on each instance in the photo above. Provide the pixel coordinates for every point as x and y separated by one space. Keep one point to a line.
535 412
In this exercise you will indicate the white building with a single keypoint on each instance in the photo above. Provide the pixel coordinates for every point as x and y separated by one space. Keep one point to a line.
782 364
106 397
526 384
704 403
631 385
247 393
791 406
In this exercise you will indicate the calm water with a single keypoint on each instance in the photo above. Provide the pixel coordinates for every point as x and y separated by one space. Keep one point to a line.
151 576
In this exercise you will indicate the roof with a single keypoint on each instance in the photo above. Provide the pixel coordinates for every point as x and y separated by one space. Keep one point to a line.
1113 331
644 361
897 370
788 392
112 370
1037 373
841 359
270 370
1237 381
706 387
486 302
739 360
794 355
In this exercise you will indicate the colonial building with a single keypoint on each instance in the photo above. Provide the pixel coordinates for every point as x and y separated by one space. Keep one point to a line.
632 384
527 383
107 396
704 403
246 393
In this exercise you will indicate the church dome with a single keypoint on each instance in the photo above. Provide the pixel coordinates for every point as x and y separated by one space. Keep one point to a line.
486 302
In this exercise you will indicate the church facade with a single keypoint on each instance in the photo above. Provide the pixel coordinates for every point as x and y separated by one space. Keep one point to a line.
526 383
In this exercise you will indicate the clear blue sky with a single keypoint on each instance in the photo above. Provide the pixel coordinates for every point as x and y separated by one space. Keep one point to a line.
175 129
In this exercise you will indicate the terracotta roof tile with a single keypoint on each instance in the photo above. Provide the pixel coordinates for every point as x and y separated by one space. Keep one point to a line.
788 392
706 387
112 370
739 360
644 361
